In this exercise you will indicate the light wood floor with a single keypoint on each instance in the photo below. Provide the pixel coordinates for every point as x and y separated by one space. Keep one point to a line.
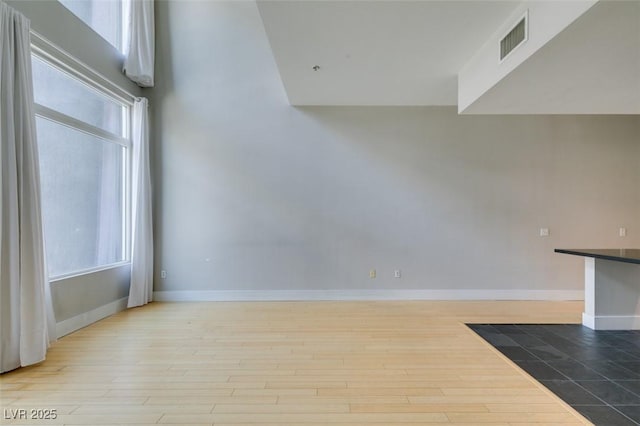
286 363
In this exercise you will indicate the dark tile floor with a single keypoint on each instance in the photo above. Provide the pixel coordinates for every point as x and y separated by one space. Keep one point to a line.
596 372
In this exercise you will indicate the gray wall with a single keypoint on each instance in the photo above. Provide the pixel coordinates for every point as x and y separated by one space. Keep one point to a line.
76 296
253 194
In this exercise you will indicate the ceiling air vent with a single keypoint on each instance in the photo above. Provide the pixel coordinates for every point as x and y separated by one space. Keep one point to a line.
514 38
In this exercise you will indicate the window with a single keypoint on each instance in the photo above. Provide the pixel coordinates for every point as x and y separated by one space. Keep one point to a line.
83 144
106 17
60 92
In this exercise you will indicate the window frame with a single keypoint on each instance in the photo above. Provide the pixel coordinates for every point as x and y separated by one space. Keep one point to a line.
68 65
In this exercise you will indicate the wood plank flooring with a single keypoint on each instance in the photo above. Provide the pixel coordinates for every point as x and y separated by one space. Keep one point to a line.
290 363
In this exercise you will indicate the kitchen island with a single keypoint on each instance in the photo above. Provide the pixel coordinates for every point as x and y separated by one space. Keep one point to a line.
611 288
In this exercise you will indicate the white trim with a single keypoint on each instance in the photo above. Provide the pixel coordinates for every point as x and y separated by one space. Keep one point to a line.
588 320
127 175
80 321
79 125
312 295
611 322
45 49
74 274
589 287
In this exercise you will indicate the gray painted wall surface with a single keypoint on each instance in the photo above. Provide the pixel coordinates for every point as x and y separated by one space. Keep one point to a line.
84 293
253 194
78 295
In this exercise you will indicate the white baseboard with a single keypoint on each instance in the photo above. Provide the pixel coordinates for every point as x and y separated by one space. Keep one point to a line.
318 295
80 321
611 322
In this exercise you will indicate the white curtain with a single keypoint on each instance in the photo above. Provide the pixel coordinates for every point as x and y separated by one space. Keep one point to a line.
141 290
140 50
26 316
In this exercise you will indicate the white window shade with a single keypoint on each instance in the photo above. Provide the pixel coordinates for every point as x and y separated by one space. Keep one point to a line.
139 59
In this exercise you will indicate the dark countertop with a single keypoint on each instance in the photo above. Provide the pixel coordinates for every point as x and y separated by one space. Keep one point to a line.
618 255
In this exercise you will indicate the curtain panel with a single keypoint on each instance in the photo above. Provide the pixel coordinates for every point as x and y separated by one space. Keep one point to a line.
27 326
141 290
139 58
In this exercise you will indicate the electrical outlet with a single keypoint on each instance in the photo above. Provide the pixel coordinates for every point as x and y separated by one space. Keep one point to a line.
397 273
544 232
372 273
622 232
163 274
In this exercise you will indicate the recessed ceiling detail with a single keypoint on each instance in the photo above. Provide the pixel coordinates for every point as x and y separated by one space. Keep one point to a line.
377 52
415 53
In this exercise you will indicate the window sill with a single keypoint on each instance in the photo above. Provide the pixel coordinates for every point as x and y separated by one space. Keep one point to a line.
88 271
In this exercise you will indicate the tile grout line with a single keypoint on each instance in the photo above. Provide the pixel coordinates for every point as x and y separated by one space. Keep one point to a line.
571 409
569 358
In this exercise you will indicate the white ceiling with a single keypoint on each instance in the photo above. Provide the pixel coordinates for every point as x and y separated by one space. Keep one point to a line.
377 52
591 67
410 52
